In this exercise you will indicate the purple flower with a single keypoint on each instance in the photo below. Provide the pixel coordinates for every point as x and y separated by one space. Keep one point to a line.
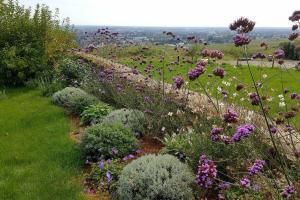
206 172
239 87
128 157
202 63
108 176
255 100
224 186
273 130
230 116
215 134
256 167
258 56
288 191
219 71
240 40
216 54
101 164
245 182
114 151
242 131
293 36
295 96
178 81
195 73
279 54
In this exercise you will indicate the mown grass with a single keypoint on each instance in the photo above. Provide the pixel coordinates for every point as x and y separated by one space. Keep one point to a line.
272 79
37 158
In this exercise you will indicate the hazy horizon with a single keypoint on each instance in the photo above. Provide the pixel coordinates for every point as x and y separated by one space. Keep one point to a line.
176 13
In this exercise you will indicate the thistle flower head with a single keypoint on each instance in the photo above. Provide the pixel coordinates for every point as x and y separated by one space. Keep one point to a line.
242 25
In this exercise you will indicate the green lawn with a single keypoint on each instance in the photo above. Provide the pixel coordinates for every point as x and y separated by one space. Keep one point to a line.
270 77
37 158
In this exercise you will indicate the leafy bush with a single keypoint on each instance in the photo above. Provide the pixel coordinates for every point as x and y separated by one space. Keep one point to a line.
95 113
133 119
74 99
31 41
105 174
104 141
155 177
72 72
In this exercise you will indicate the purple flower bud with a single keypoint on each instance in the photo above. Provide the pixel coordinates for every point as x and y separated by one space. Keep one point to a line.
230 116
178 80
219 71
279 54
255 100
256 167
240 40
245 182
288 191
242 131
108 176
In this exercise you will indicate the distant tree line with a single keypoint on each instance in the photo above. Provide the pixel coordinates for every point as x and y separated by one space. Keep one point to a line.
31 41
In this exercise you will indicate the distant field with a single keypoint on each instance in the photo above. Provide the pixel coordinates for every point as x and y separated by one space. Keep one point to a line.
269 77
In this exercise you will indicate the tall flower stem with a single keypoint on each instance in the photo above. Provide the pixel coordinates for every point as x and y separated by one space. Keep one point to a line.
265 117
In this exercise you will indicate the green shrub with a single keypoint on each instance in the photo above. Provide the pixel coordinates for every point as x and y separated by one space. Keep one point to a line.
133 119
73 72
74 99
95 113
155 177
105 174
104 141
31 41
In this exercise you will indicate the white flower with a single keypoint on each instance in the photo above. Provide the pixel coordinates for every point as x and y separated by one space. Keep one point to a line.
221 105
281 104
270 99
265 75
234 94
219 89
170 114
280 96
242 99
163 129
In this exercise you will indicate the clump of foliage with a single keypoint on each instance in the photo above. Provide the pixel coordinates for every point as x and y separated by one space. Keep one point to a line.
72 72
155 177
105 174
94 114
132 119
74 99
104 141
31 42
290 51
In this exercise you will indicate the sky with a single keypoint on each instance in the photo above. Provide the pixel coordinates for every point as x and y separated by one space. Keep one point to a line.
172 13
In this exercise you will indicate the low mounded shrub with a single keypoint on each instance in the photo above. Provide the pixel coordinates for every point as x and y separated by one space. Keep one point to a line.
95 113
74 99
73 72
155 177
105 141
133 119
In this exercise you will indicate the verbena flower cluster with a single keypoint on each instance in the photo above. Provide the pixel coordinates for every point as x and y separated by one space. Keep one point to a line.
243 131
206 172
256 167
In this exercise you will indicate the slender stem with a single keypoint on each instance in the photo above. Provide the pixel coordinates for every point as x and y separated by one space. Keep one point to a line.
265 117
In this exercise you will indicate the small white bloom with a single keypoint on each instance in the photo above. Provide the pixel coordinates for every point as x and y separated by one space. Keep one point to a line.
234 94
281 104
242 99
265 75
163 129
170 114
280 96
